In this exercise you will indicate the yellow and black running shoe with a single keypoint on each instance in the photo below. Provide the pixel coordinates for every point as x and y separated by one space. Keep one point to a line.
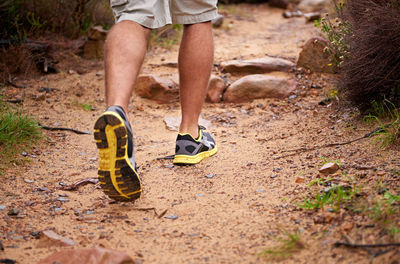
191 151
117 167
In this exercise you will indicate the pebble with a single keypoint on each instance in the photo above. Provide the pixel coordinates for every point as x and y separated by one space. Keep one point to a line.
200 195
23 153
273 176
284 205
13 212
36 234
260 190
209 176
172 217
2 207
29 181
62 199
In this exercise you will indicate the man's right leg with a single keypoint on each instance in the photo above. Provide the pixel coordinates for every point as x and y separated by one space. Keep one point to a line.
125 49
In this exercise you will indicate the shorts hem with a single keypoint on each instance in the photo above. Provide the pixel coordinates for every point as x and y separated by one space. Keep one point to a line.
146 22
193 19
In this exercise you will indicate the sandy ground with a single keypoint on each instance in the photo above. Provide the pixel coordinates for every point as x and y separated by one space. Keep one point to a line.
228 217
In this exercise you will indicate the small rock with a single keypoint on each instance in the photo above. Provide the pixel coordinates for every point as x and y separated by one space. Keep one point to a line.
273 176
260 190
216 88
260 65
36 234
329 168
29 181
348 226
13 212
50 238
289 14
313 5
316 56
62 199
172 217
157 88
300 180
40 96
23 153
217 22
259 86
2 207
310 17
209 176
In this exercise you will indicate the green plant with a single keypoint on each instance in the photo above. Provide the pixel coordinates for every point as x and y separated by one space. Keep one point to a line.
385 210
388 133
87 107
326 160
17 132
319 181
336 31
167 36
336 196
290 243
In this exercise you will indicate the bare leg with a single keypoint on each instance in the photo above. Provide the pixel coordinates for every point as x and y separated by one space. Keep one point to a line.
195 60
125 49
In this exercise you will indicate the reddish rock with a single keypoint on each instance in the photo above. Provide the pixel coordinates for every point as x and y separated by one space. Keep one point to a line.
259 86
260 65
329 168
216 88
157 88
316 56
96 255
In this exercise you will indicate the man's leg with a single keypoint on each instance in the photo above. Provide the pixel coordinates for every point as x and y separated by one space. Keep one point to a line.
125 49
195 63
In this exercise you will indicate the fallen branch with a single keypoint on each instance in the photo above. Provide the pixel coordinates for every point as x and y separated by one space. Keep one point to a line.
346 244
15 101
64 129
10 82
301 150
76 185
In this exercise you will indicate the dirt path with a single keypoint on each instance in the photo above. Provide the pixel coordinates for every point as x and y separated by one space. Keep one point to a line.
229 216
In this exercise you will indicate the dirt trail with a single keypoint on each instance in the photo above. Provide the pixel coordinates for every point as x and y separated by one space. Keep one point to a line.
229 217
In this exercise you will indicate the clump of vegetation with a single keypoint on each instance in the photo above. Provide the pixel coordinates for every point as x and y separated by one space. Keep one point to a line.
289 244
18 132
365 38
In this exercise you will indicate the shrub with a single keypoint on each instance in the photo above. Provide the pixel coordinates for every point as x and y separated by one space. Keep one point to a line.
372 71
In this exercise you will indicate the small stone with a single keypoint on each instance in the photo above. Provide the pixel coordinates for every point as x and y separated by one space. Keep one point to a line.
172 217
36 234
260 190
216 88
200 195
273 176
209 176
217 22
50 238
329 168
157 88
348 226
13 212
23 153
29 181
284 205
40 96
300 180
314 56
62 199
2 207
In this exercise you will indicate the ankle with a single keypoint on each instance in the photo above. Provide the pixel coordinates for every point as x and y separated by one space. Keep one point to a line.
193 131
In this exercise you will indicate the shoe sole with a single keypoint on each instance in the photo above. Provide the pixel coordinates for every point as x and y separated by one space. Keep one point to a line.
190 160
118 179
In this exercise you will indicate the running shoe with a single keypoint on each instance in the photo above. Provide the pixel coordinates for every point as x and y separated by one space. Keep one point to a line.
117 173
191 151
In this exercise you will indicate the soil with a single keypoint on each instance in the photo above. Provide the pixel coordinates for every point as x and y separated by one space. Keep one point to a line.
227 209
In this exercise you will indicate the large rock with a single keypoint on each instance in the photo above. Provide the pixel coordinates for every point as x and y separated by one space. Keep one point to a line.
260 65
259 86
96 255
316 56
157 88
216 88
94 47
313 5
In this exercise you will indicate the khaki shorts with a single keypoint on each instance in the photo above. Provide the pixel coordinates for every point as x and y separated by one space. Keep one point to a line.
158 13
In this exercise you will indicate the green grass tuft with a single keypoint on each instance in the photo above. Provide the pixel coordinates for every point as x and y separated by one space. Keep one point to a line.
289 244
18 132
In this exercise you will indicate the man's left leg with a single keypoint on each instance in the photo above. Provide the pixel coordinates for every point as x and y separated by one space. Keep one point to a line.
195 63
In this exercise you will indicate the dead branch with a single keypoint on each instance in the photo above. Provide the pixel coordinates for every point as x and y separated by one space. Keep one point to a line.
346 244
302 150
76 185
64 129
